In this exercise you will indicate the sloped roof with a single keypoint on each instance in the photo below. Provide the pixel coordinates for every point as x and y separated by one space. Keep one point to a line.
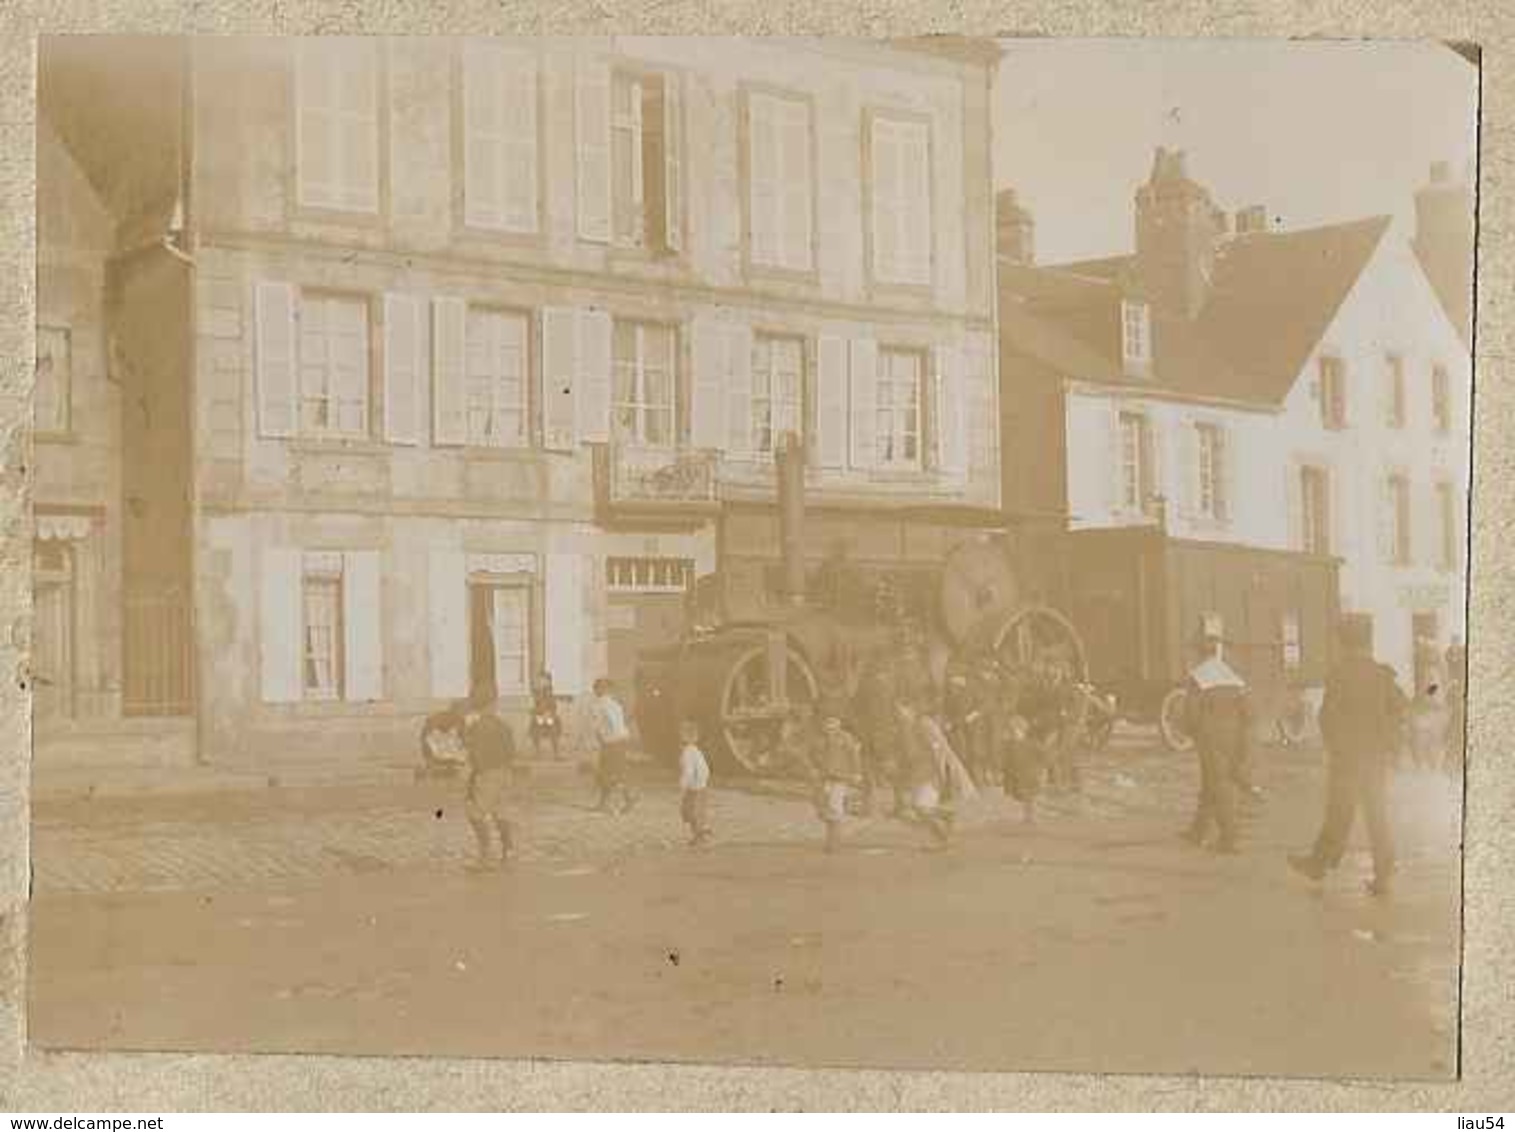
1272 296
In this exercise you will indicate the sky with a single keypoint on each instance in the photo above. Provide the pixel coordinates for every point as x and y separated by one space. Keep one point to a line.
1317 132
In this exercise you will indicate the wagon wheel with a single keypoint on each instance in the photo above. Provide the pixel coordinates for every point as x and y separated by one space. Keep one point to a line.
1042 635
755 701
1170 721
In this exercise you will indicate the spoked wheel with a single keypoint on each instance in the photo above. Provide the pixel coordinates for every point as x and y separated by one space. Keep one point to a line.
1170 720
765 683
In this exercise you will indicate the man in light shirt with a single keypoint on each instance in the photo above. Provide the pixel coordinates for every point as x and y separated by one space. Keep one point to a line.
694 783
614 738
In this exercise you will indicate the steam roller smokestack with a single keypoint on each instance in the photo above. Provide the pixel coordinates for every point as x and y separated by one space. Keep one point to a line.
790 466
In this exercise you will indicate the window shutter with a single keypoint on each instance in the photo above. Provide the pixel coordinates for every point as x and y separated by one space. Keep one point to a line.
1294 505
447 623
1155 478
1386 520
863 391
1225 480
594 366
280 625
886 200
673 164
357 126
592 137
831 423
708 411
1188 485
520 109
1115 479
559 378
404 367
951 414
794 149
736 354
362 624
914 150
567 628
763 187
316 133
276 360
449 380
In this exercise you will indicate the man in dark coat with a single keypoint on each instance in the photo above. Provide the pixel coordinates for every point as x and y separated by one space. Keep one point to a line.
1218 718
1360 719
491 750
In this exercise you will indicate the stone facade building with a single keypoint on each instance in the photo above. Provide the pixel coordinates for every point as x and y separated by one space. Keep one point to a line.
485 346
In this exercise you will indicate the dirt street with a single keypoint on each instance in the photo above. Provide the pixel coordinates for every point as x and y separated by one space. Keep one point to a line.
1093 940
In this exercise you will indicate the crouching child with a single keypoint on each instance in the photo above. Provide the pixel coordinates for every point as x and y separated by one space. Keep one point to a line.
694 784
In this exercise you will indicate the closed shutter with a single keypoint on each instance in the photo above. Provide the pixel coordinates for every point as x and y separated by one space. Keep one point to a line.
560 378
707 413
794 154
1294 505
592 140
499 138
951 413
362 621
1225 477
1115 469
358 126
447 623
1387 527
886 198
862 389
831 423
763 185
737 357
594 366
567 627
404 367
280 625
276 361
1188 469
915 203
449 395
673 164
315 117
1157 479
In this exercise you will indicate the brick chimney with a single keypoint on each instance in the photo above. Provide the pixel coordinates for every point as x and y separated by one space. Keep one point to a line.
1252 220
1444 241
1015 230
1177 229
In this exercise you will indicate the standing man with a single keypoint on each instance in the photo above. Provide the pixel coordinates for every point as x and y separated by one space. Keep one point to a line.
614 739
1360 719
491 750
1218 717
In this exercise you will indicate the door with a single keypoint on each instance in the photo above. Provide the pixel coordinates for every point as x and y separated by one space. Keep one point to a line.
53 634
499 639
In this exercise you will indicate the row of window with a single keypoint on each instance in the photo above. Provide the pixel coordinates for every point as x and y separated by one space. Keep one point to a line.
1208 493
321 608
502 378
629 149
1331 394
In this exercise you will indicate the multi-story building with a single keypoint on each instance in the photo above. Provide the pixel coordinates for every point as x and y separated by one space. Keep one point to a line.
483 347
1262 398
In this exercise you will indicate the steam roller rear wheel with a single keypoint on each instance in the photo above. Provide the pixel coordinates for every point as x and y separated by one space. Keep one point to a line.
1037 636
751 710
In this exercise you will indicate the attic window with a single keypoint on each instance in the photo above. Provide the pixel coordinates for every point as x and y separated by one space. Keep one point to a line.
1136 334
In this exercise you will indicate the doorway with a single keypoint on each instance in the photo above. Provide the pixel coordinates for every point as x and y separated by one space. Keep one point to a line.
499 616
53 633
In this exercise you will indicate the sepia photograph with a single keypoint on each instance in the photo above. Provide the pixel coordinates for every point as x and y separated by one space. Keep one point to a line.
934 553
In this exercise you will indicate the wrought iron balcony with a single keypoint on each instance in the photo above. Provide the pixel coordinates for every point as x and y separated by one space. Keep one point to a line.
660 480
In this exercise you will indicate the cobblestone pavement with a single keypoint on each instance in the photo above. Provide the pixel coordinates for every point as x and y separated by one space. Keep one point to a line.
282 837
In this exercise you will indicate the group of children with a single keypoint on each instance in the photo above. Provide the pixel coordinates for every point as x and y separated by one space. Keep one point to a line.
931 753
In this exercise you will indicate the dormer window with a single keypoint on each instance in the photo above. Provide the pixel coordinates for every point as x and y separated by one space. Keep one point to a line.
1136 335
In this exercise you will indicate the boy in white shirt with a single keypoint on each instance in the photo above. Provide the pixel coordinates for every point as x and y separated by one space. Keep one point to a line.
614 738
694 783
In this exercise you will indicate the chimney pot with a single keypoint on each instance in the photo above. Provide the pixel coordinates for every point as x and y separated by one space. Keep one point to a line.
1251 220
